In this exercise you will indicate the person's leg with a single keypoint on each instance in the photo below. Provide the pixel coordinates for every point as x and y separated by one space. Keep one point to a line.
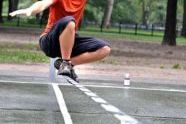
86 50
60 40
89 49
88 57
66 40
59 43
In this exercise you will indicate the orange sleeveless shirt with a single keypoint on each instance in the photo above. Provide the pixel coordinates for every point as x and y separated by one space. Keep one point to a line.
62 8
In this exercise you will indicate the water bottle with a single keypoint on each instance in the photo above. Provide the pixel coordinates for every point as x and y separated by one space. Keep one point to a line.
127 79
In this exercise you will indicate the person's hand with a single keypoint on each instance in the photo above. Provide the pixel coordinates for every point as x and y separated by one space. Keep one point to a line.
25 12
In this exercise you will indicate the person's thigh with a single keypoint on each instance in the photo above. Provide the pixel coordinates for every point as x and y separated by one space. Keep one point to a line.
87 44
49 43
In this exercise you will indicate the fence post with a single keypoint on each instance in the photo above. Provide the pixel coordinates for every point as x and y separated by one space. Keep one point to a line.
120 27
152 30
177 31
18 21
101 26
136 29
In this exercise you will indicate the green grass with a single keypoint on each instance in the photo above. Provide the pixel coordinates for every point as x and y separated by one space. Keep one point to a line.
176 66
110 34
123 31
30 53
21 53
24 22
130 37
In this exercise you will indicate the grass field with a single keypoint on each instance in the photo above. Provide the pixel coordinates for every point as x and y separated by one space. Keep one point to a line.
30 53
130 37
111 33
21 53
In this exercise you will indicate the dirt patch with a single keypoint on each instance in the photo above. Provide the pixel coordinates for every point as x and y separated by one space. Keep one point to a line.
149 54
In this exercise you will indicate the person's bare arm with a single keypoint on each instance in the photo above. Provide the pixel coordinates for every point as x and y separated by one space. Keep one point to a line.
34 9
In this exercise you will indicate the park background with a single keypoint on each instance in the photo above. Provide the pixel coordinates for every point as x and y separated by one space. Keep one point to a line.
145 35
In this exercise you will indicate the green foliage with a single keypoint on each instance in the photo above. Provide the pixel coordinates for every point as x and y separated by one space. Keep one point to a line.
162 66
125 11
176 66
24 3
93 13
158 12
131 11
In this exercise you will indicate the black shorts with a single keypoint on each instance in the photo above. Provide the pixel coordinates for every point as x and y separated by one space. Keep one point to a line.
49 43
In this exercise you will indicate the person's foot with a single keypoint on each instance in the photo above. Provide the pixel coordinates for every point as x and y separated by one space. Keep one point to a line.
72 74
65 69
57 63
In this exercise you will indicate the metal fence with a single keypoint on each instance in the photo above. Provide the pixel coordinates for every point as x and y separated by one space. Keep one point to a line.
120 28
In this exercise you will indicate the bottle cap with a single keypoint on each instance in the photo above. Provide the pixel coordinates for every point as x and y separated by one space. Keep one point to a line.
127 75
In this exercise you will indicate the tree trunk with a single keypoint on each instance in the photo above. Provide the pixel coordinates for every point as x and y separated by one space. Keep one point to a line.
108 13
183 33
1 10
170 27
13 4
144 12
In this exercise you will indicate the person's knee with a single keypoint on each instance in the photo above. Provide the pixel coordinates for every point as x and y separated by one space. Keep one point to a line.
106 50
71 26
67 22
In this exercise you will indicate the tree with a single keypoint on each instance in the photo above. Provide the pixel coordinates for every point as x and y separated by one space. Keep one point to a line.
145 12
147 6
183 33
126 11
1 8
13 4
170 26
94 11
108 13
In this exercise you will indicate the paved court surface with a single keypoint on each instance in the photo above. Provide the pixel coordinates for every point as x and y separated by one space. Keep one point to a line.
32 100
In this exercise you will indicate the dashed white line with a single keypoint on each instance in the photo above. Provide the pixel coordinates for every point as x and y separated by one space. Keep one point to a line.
90 94
62 105
125 119
117 113
99 100
84 89
110 108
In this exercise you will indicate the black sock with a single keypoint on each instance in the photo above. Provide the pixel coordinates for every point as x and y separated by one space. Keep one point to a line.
66 60
72 65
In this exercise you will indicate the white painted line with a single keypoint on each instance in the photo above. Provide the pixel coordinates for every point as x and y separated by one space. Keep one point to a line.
22 82
79 86
84 89
98 86
91 94
111 108
130 88
125 119
108 107
62 105
99 100
138 88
